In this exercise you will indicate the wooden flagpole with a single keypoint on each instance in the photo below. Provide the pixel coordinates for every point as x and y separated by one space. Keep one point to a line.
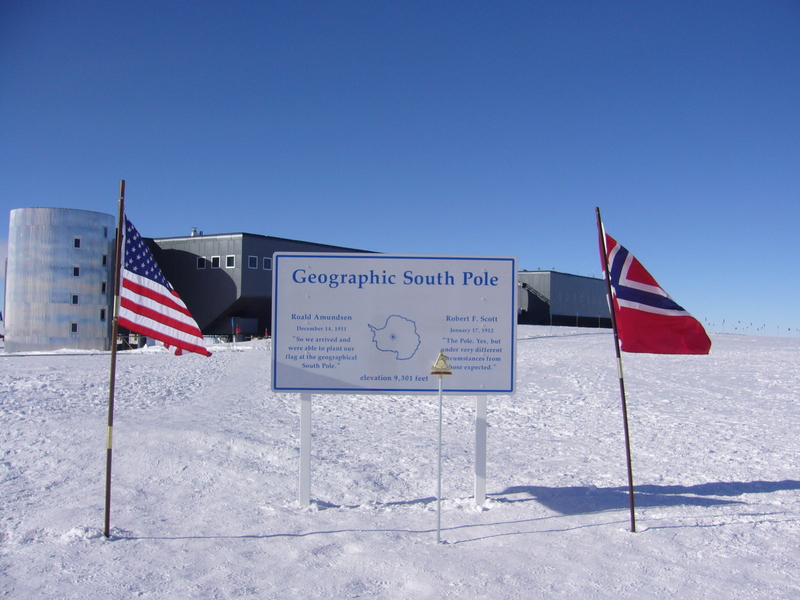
112 380
602 235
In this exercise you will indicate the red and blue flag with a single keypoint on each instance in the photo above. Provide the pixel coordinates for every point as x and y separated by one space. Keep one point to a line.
647 319
148 303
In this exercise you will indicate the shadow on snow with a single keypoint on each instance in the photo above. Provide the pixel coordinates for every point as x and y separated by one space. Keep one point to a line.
589 499
568 501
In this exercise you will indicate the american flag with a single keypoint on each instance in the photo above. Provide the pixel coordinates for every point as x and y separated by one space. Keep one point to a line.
648 320
148 304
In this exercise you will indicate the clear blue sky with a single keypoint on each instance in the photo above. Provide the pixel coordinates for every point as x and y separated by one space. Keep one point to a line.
457 128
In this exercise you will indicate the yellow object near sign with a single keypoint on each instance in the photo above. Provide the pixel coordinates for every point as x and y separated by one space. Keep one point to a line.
440 367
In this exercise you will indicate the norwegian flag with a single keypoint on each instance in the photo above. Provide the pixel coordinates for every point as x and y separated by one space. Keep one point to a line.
149 305
648 320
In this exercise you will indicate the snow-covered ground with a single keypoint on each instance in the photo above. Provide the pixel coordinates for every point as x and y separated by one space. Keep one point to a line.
205 479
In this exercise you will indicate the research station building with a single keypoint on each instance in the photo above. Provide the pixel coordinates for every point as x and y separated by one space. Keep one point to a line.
59 282
59 287
553 298
226 280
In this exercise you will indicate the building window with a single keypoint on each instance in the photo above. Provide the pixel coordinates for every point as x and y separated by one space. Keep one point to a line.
252 262
76 271
73 327
230 261
215 262
105 260
201 262
105 232
74 298
103 288
76 243
103 314
267 263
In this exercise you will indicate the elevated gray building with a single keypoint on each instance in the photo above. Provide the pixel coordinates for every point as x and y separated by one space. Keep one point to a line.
226 280
59 280
553 298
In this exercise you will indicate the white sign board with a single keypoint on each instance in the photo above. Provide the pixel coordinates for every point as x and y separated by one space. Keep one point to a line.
375 323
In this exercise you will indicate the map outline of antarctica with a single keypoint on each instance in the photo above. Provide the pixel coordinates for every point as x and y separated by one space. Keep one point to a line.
397 335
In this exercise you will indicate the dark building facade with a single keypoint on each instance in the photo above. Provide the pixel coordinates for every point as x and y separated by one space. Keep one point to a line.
226 280
553 298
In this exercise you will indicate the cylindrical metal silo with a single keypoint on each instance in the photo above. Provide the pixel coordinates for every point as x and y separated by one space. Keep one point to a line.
59 286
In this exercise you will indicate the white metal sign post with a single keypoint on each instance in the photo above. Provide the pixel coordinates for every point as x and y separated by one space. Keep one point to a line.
480 450
305 450
370 323
440 368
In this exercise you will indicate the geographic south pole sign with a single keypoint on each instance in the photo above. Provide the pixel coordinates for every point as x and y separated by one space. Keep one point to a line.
374 323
